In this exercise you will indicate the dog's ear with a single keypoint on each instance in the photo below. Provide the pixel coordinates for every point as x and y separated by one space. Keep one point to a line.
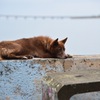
55 42
64 40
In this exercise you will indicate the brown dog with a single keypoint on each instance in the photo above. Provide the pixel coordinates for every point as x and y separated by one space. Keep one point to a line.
27 48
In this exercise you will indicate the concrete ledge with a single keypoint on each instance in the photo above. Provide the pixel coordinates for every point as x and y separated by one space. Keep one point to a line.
62 86
21 79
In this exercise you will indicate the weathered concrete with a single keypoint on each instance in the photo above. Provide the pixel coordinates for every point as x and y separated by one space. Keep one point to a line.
62 86
21 79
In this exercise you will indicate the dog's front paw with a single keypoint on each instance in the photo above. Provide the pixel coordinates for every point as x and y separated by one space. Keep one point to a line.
69 56
24 57
28 57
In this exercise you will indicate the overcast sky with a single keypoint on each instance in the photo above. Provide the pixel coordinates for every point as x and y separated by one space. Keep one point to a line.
83 34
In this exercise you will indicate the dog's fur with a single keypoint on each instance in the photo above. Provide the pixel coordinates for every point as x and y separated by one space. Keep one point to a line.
27 48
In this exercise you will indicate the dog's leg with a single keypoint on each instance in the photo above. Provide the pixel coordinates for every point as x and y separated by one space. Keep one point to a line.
13 54
9 54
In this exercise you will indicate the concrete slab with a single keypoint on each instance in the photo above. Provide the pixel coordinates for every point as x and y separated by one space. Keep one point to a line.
64 85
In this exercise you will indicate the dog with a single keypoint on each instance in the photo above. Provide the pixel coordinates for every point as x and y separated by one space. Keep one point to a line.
27 48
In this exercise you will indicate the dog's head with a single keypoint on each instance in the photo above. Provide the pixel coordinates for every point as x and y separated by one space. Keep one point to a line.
57 48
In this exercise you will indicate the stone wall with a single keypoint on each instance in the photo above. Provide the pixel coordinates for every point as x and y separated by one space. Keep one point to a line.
21 79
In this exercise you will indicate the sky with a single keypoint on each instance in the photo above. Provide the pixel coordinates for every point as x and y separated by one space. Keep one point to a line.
83 34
